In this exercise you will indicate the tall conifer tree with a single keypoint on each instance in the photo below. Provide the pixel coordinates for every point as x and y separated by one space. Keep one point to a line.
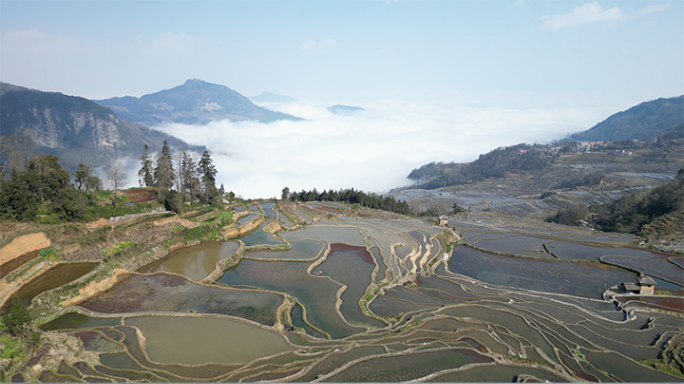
145 176
207 172
163 172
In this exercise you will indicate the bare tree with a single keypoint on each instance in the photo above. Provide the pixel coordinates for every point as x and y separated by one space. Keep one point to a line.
15 150
116 175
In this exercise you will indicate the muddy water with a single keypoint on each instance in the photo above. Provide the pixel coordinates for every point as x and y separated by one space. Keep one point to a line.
352 266
345 235
78 321
197 340
268 209
587 280
260 237
53 278
301 250
10 266
193 262
317 294
649 266
246 219
408 367
94 341
517 245
498 373
625 369
162 292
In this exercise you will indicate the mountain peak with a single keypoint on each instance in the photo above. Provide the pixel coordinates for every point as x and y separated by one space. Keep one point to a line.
639 122
191 82
194 102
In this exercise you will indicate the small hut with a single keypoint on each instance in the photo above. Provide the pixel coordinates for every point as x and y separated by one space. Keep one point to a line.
647 285
630 287
443 220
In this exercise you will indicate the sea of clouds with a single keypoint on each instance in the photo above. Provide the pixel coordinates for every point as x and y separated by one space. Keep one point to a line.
372 150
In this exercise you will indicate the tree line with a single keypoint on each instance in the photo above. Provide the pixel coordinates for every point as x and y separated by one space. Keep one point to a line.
39 188
351 196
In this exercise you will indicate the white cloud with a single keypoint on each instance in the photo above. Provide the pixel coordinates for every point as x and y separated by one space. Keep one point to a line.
35 41
594 12
172 43
312 44
373 150
653 8
587 13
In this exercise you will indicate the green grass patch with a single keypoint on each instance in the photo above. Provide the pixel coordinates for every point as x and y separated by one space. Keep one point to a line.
579 354
118 248
204 232
225 218
14 347
48 254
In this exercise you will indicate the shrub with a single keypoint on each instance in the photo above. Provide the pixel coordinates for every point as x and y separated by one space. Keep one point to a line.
52 218
16 316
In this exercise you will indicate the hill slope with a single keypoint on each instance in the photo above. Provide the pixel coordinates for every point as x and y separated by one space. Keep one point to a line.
73 128
639 122
194 102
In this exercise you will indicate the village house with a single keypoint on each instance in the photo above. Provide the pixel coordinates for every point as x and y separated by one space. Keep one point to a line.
443 220
645 286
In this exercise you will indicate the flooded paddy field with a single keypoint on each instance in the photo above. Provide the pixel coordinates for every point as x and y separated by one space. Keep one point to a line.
382 299
194 262
53 278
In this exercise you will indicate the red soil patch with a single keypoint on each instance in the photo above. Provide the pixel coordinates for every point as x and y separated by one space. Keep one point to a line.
361 252
141 195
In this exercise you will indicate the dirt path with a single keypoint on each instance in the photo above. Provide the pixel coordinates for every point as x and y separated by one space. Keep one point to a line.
23 245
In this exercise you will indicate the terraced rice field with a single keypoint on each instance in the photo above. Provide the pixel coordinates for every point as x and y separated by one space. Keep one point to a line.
382 299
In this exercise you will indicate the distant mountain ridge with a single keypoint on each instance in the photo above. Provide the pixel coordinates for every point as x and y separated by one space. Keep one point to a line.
270 97
194 102
74 128
643 121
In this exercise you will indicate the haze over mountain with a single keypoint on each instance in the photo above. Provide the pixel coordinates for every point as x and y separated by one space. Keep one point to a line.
74 128
269 97
339 109
194 102
648 119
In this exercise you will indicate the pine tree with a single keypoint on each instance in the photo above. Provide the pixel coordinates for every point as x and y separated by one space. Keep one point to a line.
207 172
163 172
145 176
189 178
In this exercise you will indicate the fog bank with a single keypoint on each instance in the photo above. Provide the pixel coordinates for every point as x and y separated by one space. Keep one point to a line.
373 150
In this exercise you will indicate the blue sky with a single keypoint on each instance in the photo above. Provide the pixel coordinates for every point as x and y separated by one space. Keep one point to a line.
572 53
440 80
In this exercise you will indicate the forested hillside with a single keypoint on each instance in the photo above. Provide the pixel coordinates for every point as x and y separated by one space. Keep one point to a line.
518 158
658 212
